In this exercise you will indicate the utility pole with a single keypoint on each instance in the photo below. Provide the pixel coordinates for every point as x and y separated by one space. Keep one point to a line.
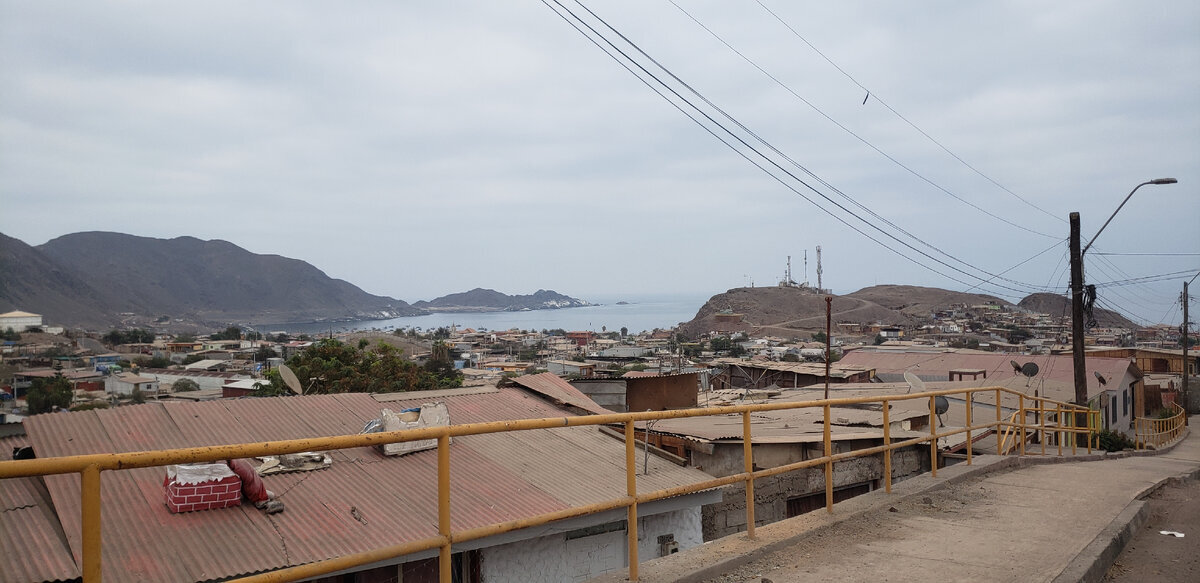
1081 396
829 340
1187 404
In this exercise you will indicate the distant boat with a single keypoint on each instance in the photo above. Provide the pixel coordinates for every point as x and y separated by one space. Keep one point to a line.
622 303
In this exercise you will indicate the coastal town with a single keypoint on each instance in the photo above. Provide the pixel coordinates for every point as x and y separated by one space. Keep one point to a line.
54 379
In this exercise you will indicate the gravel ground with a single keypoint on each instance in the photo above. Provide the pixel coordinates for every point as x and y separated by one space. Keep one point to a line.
1156 557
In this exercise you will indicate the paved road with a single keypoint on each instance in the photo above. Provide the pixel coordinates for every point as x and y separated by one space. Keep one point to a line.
1028 523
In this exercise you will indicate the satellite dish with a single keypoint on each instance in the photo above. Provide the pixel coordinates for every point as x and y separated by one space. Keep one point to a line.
914 382
1100 378
289 379
1029 369
1016 367
940 405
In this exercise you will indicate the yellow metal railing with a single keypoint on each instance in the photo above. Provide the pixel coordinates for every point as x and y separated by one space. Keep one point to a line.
1159 432
1052 424
90 468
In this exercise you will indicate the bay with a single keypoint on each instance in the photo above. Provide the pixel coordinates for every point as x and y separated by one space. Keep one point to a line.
637 314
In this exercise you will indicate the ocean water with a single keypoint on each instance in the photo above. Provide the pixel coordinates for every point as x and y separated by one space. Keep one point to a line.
640 313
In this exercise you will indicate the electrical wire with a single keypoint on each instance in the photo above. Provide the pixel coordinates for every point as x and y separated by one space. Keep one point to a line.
849 131
733 135
1149 254
905 119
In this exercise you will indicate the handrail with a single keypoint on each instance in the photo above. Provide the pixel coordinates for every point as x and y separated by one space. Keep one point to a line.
91 467
1159 432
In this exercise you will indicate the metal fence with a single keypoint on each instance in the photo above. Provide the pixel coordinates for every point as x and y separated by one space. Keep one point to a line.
1159 432
91 467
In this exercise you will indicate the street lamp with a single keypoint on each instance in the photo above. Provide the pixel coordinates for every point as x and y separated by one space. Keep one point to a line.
1127 197
1081 397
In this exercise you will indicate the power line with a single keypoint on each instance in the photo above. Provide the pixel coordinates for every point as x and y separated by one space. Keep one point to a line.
905 119
1150 254
835 122
1146 279
767 159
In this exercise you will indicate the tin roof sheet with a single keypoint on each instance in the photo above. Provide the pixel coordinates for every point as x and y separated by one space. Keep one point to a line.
560 391
365 500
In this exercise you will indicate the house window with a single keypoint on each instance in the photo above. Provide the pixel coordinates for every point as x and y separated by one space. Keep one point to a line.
1113 411
1125 398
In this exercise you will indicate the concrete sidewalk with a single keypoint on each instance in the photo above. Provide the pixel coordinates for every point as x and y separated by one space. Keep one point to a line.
1001 519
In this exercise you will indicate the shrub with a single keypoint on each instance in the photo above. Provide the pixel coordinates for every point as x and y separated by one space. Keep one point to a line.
1114 440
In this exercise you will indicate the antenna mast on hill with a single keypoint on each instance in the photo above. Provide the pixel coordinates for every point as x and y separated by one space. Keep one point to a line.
806 267
819 286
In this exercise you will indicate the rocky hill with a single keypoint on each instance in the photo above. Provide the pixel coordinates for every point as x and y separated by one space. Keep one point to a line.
90 279
1058 306
32 282
784 311
490 300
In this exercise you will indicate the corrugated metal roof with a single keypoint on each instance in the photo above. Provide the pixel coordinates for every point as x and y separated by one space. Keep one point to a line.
560 391
365 500
936 366
839 369
30 528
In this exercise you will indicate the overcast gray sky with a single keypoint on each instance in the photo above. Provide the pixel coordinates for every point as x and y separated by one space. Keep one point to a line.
419 149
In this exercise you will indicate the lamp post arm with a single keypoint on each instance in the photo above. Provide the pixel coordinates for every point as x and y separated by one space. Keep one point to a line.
1127 197
1110 218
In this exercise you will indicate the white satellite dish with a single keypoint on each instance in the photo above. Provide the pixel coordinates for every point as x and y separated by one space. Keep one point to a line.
914 382
289 379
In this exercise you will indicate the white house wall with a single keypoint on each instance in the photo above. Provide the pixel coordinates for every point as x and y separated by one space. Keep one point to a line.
554 559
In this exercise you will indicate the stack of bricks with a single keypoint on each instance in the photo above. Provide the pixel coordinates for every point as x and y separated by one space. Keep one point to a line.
201 487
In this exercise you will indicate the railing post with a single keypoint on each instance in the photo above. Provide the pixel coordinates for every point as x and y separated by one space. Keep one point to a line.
1042 423
1021 415
443 447
828 464
933 436
969 395
887 453
89 488
748 455
1074 434
1058 425
631 491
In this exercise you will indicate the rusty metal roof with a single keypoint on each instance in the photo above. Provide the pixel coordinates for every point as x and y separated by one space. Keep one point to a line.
365 500
560 391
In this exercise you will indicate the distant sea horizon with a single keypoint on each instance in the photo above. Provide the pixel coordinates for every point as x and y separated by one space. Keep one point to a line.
638 313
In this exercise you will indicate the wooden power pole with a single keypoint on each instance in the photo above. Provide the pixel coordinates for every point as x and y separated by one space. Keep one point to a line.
1081 396
1187 404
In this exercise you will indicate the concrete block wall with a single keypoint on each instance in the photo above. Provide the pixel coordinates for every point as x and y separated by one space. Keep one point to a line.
553 558
771 494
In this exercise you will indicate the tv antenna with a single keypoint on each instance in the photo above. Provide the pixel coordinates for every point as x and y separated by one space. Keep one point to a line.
819 287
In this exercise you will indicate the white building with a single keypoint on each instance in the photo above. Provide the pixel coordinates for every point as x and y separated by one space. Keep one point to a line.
20 321
124 383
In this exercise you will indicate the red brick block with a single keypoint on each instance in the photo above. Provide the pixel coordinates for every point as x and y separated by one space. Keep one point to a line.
193 488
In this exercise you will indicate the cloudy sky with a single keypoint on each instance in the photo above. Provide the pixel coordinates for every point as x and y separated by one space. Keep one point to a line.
419 149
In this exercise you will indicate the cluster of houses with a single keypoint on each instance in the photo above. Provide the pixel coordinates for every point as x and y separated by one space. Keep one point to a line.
511 476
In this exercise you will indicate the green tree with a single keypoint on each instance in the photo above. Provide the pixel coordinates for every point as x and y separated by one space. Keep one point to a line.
819 337
721 343
185 386
152 362
624 331
790 357
191 358
10 334
48 393
263 353
332 366
230 333
879 339
137 397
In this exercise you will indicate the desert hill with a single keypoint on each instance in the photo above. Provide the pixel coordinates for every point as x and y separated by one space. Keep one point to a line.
784 311
88 279
1058 306
33 282
490 300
